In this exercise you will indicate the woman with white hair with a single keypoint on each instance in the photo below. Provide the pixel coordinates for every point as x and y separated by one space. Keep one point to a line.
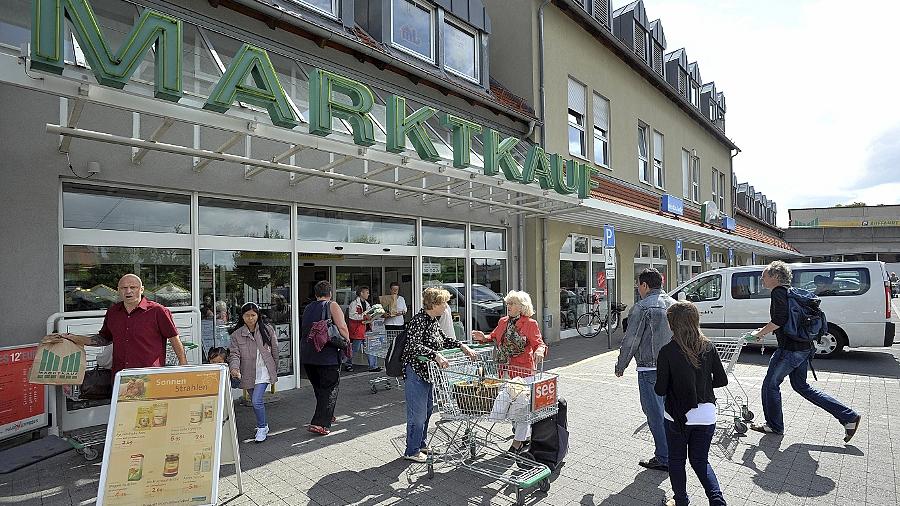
519 348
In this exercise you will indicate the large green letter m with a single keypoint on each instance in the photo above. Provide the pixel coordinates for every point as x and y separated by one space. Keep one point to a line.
114 70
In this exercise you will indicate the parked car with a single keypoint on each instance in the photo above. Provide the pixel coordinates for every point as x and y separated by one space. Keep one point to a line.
856 298
487 305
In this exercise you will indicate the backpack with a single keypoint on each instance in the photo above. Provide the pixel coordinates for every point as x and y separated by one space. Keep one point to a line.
393 362
806 321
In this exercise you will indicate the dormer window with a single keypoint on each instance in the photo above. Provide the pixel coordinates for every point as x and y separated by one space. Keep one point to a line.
461 51
329 7
695 95
412 28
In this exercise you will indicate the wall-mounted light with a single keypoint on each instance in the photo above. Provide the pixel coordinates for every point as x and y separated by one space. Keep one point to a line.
93 167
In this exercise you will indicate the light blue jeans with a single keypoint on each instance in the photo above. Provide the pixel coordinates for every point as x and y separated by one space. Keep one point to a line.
259 409
654 407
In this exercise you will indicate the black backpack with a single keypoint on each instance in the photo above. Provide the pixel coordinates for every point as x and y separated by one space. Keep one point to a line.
393 363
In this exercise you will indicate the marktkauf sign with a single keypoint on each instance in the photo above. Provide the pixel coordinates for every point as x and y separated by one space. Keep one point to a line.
164 34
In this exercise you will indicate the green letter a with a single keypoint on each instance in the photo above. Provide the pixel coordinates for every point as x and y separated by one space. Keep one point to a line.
162 32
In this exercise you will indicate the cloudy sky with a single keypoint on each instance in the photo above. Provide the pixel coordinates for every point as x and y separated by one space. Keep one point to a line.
811 88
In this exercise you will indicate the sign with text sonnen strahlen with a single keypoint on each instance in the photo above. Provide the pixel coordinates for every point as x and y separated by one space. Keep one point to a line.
164 437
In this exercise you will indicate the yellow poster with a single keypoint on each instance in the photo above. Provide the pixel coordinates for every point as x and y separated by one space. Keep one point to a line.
163 449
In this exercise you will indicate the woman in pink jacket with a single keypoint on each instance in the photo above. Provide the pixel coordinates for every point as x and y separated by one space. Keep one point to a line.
519 347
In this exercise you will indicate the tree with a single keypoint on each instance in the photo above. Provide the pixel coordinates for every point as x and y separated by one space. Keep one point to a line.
852 204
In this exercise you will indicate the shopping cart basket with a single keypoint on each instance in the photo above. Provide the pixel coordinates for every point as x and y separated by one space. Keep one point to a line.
734 405
377 344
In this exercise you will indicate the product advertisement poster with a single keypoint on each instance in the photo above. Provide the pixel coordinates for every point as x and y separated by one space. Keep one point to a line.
163 438
23 405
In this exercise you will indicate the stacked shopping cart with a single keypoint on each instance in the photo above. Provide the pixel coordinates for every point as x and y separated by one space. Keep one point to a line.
378 342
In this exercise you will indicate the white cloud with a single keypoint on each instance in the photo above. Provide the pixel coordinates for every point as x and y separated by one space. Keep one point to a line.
810 87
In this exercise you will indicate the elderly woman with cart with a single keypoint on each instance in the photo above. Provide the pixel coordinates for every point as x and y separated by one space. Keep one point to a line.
519 346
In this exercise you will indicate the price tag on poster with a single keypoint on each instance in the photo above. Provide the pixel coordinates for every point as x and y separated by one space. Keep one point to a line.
166 434
23 405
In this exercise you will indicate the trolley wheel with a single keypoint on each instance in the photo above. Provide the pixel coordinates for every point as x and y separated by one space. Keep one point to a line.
520 497
90 453
746 414
374 389
739 426
544 485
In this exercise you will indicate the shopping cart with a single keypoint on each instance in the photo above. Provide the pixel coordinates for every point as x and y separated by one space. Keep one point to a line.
85 441
734 405
472 397
377 344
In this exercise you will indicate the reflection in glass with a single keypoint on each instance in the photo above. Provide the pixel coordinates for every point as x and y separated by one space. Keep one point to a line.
491 239
244 219
488 290
573 292
336 226
443 236
229 279
91 275
411 27
460 51
100 207
581 244
449 274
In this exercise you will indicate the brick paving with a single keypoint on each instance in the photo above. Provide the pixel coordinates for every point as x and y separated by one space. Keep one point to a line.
357 464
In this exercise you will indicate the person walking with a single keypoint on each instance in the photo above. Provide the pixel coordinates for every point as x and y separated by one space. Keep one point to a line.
322 367
252 358
520 347
791 359
687 370
648 331
357 325
424 339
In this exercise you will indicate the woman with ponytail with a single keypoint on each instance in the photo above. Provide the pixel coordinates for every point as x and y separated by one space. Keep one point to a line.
688 368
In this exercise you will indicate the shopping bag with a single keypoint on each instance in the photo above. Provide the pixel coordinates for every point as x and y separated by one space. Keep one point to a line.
97 384
60 360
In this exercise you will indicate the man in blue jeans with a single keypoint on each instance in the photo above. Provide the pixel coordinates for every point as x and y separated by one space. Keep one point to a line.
648 331
791 359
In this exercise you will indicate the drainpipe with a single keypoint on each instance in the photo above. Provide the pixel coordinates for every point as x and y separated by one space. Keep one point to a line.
546 320
520 227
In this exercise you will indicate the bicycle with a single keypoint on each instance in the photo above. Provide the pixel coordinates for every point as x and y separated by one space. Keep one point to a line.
592 323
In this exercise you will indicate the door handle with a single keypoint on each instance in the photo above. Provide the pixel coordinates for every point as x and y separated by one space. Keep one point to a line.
716 307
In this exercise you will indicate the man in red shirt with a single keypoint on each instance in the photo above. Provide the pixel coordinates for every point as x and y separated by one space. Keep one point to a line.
138 328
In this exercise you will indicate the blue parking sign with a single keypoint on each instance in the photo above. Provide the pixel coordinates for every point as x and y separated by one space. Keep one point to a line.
609 236
678 248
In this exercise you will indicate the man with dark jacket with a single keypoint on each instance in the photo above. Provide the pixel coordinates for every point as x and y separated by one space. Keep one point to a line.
791 359
648 331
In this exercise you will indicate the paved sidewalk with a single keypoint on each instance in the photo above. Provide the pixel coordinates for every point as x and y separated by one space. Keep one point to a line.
357 464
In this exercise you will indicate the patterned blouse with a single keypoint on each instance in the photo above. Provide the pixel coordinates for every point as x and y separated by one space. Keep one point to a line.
424 337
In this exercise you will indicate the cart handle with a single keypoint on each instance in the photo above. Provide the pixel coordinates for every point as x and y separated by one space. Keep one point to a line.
454 351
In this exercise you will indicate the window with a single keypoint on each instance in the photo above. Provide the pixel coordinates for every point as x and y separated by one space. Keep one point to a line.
659 170
582 276
450 274
439 235
690 265
487 239
705 289
335 226
601 131
325 6
695 179
682 83
695 95
715 187
686 174
833 282
577 141
717 260
748 285
412 28
722 191
650 255
460 51
488 289
643 155
244 219
106 208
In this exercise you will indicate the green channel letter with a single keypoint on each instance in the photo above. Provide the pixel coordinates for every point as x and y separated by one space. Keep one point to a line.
162 32
537 166
266 90
400 127
586 180
498 156
323 106
565 174
462 138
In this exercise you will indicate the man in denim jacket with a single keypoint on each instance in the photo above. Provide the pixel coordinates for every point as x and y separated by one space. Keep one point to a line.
648 331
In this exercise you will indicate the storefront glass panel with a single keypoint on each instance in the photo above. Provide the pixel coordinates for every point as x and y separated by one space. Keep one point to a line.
337 226
488 289
244 219
91 275
449 274
651 256
443 236
229 279
489 239
108 208
573 292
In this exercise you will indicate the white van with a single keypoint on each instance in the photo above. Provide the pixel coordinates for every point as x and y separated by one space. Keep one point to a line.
855 297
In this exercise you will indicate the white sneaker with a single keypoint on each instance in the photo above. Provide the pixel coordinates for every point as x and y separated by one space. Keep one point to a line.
419 457
261 433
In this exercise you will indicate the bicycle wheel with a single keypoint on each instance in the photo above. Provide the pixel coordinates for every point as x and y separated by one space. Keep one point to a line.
588 325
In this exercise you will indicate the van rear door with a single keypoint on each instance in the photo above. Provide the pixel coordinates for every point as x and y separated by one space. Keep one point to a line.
706 293
748 304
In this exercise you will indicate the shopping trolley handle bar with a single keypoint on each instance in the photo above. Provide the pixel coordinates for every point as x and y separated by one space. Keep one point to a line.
452 352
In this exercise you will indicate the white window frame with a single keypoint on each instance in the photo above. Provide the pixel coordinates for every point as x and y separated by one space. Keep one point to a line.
695 179
722 180
477 55
643 161
570 112
600 135
715 186
431 13
695 94
659 163
334 8
690 258
717 260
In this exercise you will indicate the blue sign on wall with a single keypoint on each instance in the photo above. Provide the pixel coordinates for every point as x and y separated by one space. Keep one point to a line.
609 236
728 223
678 249
671 204
708 253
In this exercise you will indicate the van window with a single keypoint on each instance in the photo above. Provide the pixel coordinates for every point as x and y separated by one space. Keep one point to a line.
704 289
833 282
748 285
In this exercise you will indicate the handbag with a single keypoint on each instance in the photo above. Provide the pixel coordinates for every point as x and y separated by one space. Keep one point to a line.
97 384
335 338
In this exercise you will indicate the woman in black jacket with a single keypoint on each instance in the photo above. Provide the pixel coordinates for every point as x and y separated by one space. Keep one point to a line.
688 368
